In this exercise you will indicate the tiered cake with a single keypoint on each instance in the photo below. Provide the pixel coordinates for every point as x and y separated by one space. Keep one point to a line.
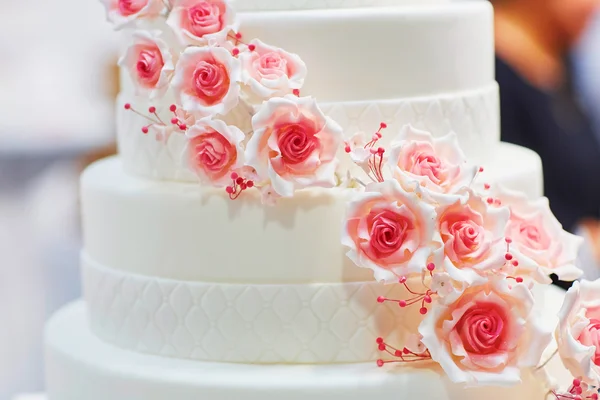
191 295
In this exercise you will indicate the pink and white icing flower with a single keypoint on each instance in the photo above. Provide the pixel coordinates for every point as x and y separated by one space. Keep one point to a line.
578 332
270 71
486 334
538 241
149 63
124 12
214 150
202 22
472 233
437 164
206 81
294 145
390 231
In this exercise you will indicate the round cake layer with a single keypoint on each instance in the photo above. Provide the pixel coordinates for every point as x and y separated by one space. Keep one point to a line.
384 53
473 115
80 366
246 323
184 231
254 5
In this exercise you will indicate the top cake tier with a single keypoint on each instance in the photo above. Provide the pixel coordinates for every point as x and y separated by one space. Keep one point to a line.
254 5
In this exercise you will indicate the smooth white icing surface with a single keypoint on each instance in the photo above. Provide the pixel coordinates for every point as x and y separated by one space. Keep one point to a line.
80 366
185 232
254 5
384 53
473 115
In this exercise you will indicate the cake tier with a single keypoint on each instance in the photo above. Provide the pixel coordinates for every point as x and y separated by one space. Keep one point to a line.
473 115
266 5
80 366
183 231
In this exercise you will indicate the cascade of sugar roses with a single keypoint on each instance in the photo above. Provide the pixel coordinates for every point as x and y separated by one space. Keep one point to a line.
466 255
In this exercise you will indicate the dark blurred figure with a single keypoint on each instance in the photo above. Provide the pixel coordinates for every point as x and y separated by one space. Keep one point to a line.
540 109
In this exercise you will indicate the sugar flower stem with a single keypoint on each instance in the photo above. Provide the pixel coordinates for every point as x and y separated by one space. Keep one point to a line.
547 361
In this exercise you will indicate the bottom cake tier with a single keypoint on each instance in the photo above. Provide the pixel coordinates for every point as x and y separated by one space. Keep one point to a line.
80 366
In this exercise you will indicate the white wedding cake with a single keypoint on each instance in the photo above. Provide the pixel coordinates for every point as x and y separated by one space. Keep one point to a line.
239 287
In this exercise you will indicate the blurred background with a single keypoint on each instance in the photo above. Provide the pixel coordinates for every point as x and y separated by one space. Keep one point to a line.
58 80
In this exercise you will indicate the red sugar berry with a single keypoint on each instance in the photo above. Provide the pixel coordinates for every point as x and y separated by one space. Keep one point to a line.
235 51
480 169
250 184
239 180
234 176
508 256
490 200
174 121
379 340
251 47
152 110
383 125
594 396
183 127
423 311
406 351
398 353
173 108
381 299
402 279
402 303
296 92
380 363
486 186
127 106
145 130
381 150
578 389
229 190
519 279
381 347
508 240
430 267
238 35
576 382
347 149
244 186
427 299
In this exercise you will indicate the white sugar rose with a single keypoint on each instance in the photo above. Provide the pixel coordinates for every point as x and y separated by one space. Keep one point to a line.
486 334
270 71
436 164
389 230
473 237
202 22
149 63
214 151
538 241
206 81
294 145
578 332
124 12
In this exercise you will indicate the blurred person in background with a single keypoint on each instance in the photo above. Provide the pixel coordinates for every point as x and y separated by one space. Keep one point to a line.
540 108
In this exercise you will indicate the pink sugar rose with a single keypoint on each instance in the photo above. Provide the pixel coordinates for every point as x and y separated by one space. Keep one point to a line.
294 145
538 241
206 81
215 151
390 231
473 237
578 332
486 334
125 12
202 22
436 164
270 71
149 63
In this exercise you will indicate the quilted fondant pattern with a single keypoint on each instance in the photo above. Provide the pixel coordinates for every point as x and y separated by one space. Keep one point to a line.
313 323
256 5
473 115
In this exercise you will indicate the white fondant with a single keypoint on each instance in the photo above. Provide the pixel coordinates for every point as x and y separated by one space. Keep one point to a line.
264 5
473 115
80 366
184 231
245 323
384 53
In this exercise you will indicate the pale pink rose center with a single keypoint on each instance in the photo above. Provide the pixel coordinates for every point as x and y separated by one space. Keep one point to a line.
271 65
130 7
296 142
213 153
591 337
149 65
210 81
533 236
427 165
388 231
204 18
482 329
463 235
